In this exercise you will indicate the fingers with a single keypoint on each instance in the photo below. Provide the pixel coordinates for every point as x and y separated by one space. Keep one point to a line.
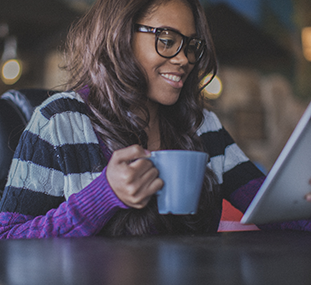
129 154
133 178
147 183
308 196
140 183
141 166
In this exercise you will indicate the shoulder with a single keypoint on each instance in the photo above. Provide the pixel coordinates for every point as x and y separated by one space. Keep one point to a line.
62 119
216 140
60 103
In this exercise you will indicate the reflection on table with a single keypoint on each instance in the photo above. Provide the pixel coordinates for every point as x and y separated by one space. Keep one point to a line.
224 258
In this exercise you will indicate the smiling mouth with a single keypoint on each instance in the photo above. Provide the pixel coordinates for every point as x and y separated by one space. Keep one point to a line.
171 77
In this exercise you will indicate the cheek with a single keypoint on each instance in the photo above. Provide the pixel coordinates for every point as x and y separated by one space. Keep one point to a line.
143 48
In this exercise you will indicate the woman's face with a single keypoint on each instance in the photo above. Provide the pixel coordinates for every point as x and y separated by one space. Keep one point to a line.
166 76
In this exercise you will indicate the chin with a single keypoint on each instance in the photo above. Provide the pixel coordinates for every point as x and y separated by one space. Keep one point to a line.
169 101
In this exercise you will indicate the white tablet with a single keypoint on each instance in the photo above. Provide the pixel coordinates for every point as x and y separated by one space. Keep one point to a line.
281 196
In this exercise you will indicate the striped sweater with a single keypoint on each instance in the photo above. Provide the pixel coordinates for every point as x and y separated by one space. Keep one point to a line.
57 185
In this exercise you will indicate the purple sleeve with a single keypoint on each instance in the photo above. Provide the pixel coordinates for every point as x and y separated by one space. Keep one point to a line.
84 214
242 197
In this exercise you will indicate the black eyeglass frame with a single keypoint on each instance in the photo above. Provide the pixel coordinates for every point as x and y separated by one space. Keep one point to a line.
185 40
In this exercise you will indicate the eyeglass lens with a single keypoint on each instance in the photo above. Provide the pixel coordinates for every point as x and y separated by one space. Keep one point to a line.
169 44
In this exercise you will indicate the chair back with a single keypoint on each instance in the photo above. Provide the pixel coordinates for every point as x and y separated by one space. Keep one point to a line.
16 108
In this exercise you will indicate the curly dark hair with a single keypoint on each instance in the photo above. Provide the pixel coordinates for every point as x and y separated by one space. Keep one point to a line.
100 56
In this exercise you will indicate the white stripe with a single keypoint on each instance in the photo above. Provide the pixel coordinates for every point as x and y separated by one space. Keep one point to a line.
36 122
25 174
63 128
37 178
223 163
233 156
74 183
216 164
211 123
68 128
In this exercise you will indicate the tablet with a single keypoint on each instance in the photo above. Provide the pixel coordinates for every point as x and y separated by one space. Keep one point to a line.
281 196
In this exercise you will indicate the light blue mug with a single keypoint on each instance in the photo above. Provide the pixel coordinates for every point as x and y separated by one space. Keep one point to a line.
183 173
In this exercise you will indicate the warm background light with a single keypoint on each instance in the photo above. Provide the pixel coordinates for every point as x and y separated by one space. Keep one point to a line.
306 42
11 71
214 88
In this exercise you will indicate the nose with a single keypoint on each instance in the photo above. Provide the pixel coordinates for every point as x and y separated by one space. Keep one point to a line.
180 58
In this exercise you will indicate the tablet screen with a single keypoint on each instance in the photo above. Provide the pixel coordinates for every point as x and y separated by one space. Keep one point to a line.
281 196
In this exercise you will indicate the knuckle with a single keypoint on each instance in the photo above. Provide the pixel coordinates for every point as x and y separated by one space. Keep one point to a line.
115 155
136 202
132 190
137 149
155 171
144 164
140 206
127 175
159 183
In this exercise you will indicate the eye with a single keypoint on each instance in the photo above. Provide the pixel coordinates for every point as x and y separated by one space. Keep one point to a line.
166 42
194 46
192 49
169 40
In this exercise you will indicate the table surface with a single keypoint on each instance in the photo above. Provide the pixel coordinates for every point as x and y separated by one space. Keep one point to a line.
224 258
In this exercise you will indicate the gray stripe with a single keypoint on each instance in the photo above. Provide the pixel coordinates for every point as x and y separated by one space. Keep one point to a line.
31 176
68 128
64 128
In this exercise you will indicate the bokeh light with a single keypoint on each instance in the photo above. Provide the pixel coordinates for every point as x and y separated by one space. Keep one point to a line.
306 42
11 71
214 88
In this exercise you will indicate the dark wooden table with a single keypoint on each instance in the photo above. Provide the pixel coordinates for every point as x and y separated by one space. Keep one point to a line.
225 258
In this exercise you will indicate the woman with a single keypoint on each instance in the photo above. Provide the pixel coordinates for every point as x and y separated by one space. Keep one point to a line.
136 68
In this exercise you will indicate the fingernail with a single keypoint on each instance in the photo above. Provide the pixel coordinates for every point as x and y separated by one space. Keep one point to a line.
147 152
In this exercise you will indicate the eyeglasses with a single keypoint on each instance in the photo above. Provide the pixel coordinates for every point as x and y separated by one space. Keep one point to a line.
168 43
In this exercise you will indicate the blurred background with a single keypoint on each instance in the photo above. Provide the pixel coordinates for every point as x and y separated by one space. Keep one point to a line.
263 48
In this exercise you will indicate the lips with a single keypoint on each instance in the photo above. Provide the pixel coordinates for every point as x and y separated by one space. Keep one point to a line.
173 79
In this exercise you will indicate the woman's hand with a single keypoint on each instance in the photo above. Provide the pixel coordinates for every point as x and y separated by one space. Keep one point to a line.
133 180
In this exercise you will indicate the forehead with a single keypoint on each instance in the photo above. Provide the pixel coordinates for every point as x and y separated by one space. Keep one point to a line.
174 14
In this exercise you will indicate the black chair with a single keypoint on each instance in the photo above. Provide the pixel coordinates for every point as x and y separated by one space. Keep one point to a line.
16 108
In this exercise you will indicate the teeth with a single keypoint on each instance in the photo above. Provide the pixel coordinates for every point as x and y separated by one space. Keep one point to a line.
172 77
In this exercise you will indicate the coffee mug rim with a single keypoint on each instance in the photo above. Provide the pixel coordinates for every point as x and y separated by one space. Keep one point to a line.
178 150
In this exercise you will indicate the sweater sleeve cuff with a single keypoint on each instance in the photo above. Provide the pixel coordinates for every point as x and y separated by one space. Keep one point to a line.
97 201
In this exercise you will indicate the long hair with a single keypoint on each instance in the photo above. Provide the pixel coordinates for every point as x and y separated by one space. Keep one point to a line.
101 58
